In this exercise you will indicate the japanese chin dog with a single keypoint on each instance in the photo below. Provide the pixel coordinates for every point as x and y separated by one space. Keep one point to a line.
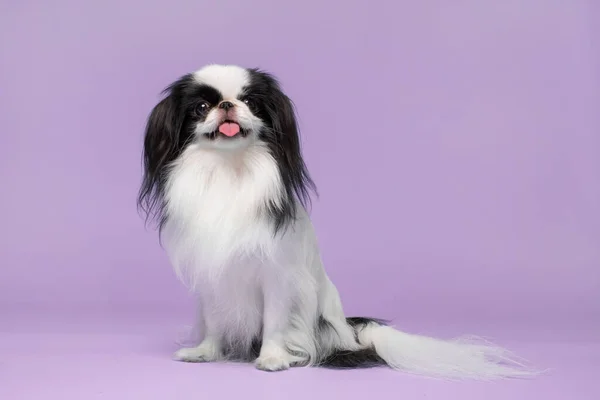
225 180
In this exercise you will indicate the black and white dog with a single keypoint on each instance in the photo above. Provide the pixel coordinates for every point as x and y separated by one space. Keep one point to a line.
225 179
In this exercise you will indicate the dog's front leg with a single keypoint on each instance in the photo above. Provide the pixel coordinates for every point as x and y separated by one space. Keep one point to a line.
210 348
276 319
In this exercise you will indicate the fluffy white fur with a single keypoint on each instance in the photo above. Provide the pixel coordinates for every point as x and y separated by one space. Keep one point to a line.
220 245
251 282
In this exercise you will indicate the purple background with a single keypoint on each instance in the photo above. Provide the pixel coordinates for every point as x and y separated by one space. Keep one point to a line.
456 146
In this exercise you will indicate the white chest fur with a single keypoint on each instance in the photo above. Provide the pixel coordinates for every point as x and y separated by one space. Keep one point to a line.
215 203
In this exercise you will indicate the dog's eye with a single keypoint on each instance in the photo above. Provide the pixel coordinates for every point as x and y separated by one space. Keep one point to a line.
248 101
202 108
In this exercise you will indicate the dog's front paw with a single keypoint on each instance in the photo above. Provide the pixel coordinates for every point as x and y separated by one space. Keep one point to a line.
272 363
194 355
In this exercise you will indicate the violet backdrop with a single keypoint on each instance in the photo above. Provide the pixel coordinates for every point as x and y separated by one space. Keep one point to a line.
456 147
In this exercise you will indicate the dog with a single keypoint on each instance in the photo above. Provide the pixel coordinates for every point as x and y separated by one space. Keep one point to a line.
225 180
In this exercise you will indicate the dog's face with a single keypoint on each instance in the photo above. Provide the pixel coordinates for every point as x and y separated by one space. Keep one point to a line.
227 107
223 108
223 105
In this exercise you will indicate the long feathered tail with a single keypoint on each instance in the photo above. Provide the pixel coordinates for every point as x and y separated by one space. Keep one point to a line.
457 359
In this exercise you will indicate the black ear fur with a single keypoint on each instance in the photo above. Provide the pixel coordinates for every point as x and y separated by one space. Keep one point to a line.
288 138
284 143
164 140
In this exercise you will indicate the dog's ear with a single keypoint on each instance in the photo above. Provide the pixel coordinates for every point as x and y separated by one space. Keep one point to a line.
285 125
163 142
288 153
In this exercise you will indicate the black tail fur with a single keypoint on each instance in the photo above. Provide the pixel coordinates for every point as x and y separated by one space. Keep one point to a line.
344 359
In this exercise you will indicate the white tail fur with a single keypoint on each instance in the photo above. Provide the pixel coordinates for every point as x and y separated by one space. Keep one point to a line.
457 359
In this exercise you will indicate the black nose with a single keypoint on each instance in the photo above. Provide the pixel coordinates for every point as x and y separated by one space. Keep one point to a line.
226 105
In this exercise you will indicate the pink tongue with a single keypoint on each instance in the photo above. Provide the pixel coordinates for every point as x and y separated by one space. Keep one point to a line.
229 129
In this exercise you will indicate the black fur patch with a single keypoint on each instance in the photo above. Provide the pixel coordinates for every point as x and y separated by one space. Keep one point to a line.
169 130
282 136
344 359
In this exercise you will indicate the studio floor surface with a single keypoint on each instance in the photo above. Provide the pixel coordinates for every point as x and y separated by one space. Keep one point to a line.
82 358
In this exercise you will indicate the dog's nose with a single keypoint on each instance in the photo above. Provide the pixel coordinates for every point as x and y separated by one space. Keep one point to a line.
226 105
